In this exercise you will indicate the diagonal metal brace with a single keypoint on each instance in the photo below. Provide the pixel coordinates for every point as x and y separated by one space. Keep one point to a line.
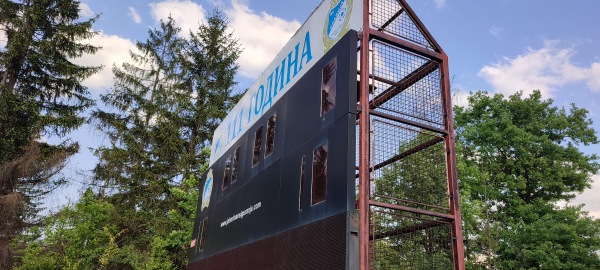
406 82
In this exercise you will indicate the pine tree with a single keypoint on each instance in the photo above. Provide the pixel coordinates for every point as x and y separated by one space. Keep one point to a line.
210 61
162 111
141 162
40 95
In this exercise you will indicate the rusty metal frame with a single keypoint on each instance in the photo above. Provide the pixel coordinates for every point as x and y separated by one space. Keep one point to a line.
367 106
363 146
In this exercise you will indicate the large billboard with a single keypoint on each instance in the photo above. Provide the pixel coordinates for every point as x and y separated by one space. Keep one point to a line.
286 185
324 27
280 191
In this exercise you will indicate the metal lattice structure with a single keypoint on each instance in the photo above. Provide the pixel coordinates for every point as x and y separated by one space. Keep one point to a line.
408 189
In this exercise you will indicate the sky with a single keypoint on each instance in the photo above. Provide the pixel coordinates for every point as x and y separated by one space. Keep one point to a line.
499 46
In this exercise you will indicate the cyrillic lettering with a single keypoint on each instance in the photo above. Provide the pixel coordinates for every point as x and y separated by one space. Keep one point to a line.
270 86
229 131
306 51
293 63
257 107
268 99
240 125
250 108
279 77
233 128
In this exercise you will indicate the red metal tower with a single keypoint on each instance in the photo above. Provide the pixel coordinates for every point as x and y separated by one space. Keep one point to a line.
409 212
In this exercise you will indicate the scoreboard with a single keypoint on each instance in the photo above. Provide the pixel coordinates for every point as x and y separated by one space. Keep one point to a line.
281 190
283 194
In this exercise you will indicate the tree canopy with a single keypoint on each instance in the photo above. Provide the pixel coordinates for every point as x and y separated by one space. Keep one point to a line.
519 158
162 111
41 95
519 163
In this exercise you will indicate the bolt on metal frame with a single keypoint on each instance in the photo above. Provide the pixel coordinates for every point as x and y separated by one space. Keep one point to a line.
408 200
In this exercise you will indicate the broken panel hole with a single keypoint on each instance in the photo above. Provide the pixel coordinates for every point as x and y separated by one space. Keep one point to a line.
236 165
202 234
257 143
301 193
319 175
328 86
270 143
227 174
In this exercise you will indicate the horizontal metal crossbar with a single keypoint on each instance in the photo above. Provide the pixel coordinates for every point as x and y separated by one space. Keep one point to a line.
408 122
445 217
412 202
409 229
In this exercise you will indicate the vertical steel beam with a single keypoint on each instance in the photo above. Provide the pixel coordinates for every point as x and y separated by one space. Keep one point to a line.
364 147
457 236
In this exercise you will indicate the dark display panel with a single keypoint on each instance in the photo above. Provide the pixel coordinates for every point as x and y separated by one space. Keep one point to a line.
291 171
319 245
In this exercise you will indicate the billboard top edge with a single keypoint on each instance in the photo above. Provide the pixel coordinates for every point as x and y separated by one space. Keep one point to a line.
322 29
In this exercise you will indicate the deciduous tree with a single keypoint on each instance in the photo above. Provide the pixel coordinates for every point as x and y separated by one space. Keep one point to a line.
77 237
519 162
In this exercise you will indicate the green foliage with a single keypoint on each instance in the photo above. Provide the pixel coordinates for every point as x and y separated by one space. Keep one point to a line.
559 239
141 160
210 63
40 95
412 241
77 237
162 111
16 117
518 159
417 177
171 251
42 38
159 256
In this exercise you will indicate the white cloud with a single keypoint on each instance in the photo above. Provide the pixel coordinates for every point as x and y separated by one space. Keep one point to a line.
594 78
115 50
544 69
187 14
496 31
591 198
251 28
439 4
85 10
134 15
460 97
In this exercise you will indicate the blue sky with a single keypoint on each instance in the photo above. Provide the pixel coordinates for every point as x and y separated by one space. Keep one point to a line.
500 46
